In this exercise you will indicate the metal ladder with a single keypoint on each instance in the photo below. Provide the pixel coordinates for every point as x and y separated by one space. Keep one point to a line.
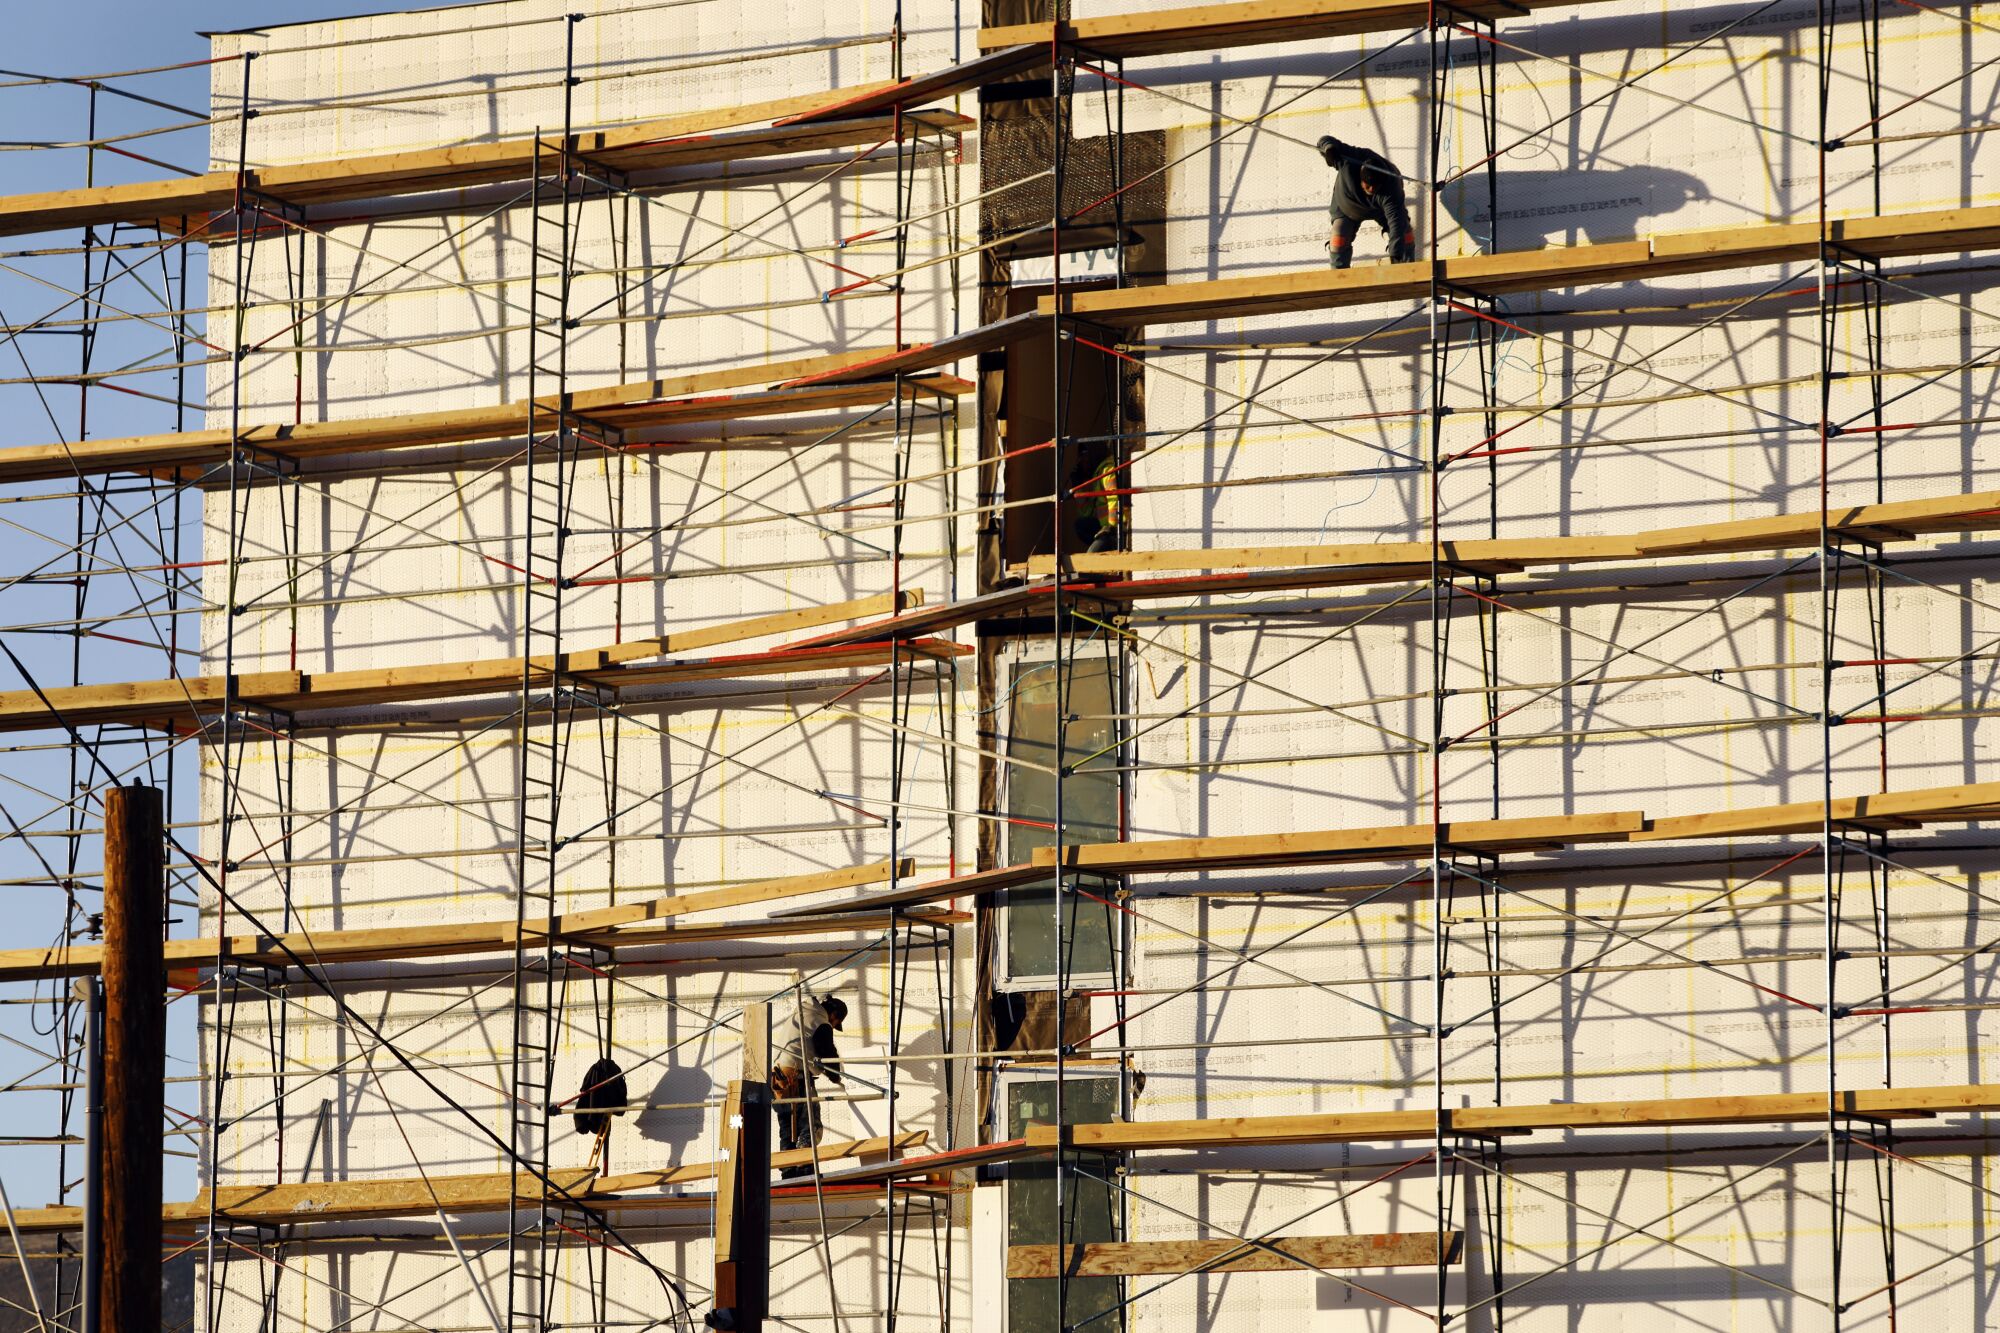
545 722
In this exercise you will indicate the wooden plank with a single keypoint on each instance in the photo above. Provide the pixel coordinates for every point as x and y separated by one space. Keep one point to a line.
1395 1249
944 352
1399 841
1485 552
735 895
938 619
1350 564
416 1196
1322 847
693 138
934 87
1898 520
409 1196
467 940
757 627
756 1029
1381 1126
853 1150
184 701
1901 520
935 891
726 1179
1940 231
805 384
1924 805
608 926
1251 22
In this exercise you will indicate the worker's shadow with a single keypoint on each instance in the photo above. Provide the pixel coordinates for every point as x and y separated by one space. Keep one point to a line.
676 1108
1539 209
922 1100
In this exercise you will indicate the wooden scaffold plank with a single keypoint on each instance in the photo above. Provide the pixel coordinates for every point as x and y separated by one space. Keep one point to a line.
184 701
1936 232
421 1196
701 138
623 926
1964 803
1272 1254
347 1200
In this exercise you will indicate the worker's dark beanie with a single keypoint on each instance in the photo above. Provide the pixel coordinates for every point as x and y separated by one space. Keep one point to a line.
836 1011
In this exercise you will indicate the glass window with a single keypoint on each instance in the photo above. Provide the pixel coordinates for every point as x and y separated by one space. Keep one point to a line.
1091 1205
1090 808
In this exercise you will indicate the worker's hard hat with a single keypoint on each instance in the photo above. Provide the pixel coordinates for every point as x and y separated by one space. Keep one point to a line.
836 1012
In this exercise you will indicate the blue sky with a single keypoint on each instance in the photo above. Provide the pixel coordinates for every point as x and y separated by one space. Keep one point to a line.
69 41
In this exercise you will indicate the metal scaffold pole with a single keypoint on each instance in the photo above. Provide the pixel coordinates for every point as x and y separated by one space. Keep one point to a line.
545 720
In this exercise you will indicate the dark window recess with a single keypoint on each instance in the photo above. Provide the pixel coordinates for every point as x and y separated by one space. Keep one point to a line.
1090 383
1088 1201
1017 90
1090 807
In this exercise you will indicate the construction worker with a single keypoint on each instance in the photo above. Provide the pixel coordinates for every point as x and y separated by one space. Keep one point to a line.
804 1049
1103 492
602 1097
1366 188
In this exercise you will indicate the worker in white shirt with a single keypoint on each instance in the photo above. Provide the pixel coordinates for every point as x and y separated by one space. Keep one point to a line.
804 1051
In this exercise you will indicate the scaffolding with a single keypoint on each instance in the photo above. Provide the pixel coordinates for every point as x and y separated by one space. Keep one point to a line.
560 623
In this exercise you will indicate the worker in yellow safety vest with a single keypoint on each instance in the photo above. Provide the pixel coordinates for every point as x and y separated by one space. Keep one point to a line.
1103 491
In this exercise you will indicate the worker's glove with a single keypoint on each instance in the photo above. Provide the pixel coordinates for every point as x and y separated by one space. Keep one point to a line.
1404 249
1332 150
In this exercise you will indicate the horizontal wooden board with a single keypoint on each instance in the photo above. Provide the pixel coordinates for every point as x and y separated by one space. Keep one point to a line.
971 885
817 384
608 927
419 1196
727 134
185 701
1274 1254
1900 520
1940 231
1783 1108
1329 846
1247 23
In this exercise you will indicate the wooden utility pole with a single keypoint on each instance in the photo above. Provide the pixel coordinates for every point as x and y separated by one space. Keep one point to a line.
743 1187
135 1047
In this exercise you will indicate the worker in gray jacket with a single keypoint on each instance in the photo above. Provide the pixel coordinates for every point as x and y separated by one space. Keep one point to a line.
804 1051
1366 188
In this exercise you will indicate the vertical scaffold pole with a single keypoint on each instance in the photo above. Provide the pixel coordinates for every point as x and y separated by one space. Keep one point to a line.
1062 81
1827 332
1439 328
533 1242
232 729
